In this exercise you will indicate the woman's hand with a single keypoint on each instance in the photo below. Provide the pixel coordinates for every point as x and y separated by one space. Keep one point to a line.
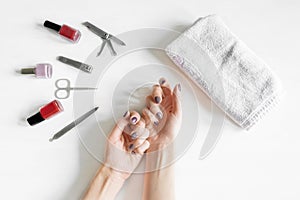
163 114
126 144
125 147
163 119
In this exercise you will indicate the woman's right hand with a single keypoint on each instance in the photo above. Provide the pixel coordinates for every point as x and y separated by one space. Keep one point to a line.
163 115
163 120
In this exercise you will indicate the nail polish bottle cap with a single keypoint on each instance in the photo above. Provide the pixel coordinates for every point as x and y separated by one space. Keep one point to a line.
35 119
52 25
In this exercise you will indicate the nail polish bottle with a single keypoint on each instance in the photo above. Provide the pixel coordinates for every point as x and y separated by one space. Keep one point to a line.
42 70
47 111
64 30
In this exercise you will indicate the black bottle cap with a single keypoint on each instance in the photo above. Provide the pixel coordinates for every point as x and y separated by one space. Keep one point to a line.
35 119
52 25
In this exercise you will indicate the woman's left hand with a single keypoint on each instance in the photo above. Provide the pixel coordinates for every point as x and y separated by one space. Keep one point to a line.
126 144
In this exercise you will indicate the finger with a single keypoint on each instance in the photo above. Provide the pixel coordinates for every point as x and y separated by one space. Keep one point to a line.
145 134
143 147
134 117
165 86
136 143
149 99
127 115
139 141
162 81
177 110
149 117
138 130
118 129
123 125
157 94
141 123
154 108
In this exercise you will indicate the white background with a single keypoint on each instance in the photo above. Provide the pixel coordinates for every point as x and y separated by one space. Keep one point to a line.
260 164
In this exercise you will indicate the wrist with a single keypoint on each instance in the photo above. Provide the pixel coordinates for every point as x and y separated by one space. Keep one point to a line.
156 148
105 185
160 143
113 174
159 157
116 174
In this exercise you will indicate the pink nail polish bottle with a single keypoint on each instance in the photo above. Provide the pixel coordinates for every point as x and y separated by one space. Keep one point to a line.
42 70
66 31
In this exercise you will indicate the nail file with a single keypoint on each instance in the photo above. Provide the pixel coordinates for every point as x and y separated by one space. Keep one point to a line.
79 65
72 124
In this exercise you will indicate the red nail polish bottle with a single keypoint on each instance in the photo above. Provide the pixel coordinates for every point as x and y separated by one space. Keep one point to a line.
46 112
64 30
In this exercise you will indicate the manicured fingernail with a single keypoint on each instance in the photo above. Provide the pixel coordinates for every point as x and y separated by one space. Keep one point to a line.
159 115
179 87
162 81
156 123
125 114
157 99
133 135
131 146
133 120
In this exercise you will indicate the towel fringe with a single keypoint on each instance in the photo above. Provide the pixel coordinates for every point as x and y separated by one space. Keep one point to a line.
261 111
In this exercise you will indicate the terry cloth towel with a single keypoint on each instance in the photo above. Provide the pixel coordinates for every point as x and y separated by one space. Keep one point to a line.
240 83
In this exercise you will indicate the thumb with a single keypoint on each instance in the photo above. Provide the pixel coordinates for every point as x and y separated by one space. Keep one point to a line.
118 129
177 110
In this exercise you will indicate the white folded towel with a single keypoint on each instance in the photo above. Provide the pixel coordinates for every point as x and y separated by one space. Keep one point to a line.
241 84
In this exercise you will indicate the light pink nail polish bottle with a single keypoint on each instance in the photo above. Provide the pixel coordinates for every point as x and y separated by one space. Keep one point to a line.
42 70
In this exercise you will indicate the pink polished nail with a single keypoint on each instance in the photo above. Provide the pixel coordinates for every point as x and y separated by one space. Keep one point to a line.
42 70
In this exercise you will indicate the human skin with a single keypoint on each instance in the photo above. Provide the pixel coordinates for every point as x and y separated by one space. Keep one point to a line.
126 142
163 117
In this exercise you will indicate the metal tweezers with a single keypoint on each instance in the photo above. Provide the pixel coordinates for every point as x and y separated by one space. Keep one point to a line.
106 38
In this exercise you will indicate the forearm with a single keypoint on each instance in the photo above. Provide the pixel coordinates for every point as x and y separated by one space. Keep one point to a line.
159 184
105 185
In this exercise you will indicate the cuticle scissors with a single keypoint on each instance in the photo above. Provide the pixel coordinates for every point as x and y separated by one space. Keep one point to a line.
65 90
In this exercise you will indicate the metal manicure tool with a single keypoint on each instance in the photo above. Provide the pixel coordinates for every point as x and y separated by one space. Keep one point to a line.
82 66
72 124
106 38
64 88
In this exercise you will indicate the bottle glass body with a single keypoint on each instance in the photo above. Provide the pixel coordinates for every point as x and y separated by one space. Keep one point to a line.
70 33
43 70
